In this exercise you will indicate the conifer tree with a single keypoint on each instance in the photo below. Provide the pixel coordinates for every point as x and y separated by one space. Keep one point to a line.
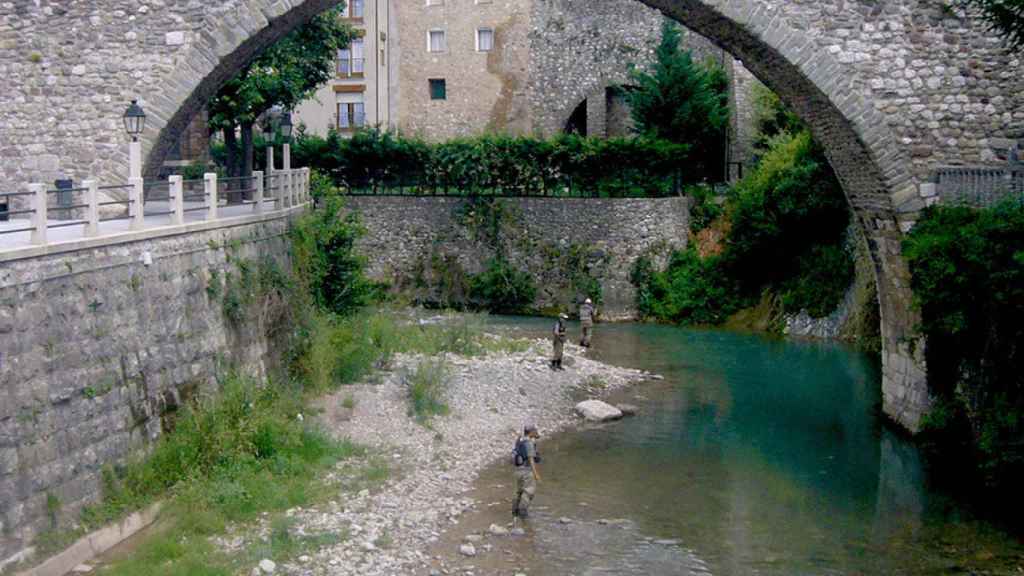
1006 17
684 102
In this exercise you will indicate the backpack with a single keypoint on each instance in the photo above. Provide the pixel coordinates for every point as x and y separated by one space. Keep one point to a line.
519 456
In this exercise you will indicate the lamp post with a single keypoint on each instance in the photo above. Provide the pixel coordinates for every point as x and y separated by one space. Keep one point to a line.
286 132
134 123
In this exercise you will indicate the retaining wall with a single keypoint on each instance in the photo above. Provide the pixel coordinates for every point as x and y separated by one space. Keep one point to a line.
96 347
409 238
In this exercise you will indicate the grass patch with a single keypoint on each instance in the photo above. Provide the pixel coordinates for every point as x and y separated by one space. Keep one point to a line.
344 351
230 458
426 384
349 402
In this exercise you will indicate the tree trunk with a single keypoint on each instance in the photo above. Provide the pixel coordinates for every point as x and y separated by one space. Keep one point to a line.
231 159
247 159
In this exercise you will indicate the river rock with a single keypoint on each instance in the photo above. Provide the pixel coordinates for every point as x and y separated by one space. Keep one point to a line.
267 566
628 409
498 530
467 550
597 411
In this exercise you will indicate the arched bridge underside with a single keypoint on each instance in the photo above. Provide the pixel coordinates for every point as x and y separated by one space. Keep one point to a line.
891 89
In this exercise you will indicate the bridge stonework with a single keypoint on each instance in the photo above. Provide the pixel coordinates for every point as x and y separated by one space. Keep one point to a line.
891 89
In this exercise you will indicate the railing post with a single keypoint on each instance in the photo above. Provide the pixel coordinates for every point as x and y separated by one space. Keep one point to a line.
286 188
92 207
210 188
257 195
176 186
39 213
136 208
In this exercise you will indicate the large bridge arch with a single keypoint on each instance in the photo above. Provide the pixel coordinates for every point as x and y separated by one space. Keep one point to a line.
874 170
892 89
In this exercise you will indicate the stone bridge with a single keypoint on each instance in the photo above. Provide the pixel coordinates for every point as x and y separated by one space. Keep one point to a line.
892 88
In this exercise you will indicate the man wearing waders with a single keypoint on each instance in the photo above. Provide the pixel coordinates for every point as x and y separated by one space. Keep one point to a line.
558 342
527 476
586 322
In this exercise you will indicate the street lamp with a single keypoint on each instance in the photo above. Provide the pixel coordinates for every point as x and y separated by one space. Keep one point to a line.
134 120
134 123
286 131
286 125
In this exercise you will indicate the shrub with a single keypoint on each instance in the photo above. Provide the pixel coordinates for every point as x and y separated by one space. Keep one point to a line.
324 255
704 210
691 290
375 161
967 275
788 224
426 385
503 289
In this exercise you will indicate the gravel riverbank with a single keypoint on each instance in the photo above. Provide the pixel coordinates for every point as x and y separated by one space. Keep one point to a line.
390 528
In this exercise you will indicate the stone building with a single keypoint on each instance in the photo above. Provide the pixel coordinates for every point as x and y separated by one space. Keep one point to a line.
360 94
441 69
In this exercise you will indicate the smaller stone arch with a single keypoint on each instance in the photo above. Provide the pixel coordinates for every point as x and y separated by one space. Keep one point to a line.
604 113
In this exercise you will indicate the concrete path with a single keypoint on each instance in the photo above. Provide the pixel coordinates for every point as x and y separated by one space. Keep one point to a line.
11 238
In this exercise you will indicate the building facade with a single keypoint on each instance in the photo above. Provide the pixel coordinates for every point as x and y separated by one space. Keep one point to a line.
360 93
441 69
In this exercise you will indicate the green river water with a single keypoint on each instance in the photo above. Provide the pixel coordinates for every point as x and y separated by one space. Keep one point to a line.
753 456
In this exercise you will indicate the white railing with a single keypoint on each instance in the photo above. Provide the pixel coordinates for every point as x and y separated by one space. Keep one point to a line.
42 216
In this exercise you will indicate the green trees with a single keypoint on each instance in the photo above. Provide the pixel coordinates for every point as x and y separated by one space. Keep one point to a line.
569 165
285 74
1006 17
967 274
683 102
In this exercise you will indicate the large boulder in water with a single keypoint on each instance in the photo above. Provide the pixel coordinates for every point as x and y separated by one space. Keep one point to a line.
597 411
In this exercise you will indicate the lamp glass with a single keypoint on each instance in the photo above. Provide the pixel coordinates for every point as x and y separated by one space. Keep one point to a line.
286 125
134 119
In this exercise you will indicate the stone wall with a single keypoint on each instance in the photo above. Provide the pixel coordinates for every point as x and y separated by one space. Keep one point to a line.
97 346
484 88
579 48
407 237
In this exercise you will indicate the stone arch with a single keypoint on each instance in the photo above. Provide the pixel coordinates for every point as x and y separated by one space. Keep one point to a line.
213 59
872 168
602 112
892 90
874 171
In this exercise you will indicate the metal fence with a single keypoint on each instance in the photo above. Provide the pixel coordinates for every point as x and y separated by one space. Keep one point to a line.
143 204
978 186
626 184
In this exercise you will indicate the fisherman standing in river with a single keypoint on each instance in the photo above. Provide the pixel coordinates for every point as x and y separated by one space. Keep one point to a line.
525 458
558 342
586 322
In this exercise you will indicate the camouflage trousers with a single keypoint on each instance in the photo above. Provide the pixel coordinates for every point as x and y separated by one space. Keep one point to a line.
526 487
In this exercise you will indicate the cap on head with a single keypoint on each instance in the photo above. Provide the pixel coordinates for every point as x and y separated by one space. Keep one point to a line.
563 316
587 301
530 429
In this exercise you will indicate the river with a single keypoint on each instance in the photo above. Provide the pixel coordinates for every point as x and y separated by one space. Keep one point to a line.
753 456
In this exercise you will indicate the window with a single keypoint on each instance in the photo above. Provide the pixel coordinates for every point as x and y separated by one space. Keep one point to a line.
352 60
353 9
435 2
484 39
438 90
436 41
351 115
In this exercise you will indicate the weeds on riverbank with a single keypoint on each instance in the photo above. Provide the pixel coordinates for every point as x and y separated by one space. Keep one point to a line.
426 386
231 457
344 350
